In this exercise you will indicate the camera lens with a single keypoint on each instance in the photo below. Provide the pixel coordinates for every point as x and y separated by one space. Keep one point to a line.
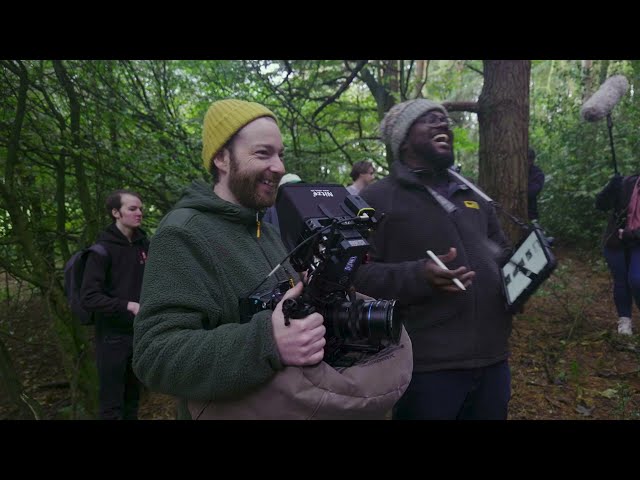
360 320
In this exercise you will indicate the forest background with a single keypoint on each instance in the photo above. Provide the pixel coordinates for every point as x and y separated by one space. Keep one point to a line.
73 130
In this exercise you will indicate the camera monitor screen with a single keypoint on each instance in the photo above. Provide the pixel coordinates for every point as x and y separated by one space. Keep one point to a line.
298 202
528 267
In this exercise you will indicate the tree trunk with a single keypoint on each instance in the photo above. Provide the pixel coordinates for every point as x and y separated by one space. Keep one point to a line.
91 231
42 274
61 211
79 366
382 88
422 68
504 137
587 81
11 387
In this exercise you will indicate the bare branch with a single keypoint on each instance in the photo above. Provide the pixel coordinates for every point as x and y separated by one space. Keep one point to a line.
461 106
354 73
471 67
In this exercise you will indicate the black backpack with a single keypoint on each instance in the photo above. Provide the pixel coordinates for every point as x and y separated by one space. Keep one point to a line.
73 273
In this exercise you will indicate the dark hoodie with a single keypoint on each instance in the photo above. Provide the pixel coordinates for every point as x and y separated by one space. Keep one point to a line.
111 282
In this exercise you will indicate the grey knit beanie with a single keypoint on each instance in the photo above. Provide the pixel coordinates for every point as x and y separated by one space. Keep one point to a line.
396 123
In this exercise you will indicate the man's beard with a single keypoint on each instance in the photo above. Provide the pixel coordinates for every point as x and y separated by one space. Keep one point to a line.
437 161
442 161
244 186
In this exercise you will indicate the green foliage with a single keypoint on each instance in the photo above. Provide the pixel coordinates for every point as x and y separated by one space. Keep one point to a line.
139 127
574 154
325 132
72 131
624 394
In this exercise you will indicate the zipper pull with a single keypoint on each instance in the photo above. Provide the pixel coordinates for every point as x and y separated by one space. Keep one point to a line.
257 226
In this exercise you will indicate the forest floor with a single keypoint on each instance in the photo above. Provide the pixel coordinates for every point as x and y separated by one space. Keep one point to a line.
567 361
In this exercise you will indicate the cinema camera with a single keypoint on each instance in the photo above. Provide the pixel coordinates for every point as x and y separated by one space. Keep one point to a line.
325 229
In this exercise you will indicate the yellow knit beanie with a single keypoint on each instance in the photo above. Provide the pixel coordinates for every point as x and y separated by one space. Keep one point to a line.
223 119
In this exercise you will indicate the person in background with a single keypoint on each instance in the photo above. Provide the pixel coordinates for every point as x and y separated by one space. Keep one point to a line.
111 288
534 185
363 174
621 244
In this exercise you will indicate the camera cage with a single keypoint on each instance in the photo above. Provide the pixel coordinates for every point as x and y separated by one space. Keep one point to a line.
324 228
312 231
327 220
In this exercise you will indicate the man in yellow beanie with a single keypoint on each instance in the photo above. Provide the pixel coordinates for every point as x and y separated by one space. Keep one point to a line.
459 331
209 255
208 252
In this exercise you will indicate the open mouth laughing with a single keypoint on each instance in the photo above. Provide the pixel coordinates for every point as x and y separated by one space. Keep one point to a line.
441 139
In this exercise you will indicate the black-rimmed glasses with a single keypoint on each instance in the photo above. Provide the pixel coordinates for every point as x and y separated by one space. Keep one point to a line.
434 118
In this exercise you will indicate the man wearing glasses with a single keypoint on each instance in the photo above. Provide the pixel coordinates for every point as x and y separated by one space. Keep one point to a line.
459 331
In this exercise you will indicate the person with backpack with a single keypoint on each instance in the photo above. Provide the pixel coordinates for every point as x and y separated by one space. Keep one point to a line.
110 290
621 243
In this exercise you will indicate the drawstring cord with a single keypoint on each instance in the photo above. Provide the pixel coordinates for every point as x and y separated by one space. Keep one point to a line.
257 226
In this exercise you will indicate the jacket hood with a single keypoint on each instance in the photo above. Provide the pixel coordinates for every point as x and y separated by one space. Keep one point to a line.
113 235
200 196
403 174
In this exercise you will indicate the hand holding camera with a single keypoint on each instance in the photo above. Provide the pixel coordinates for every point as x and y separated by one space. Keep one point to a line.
301 342
325 230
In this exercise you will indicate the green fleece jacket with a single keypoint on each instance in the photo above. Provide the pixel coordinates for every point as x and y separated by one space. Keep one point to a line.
204 257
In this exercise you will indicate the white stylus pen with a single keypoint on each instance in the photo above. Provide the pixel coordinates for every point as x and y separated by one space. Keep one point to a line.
442 265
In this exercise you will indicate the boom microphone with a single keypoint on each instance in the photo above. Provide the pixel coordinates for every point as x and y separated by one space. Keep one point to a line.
602 102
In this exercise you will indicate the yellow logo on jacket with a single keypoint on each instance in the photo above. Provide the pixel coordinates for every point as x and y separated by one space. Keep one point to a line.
471 204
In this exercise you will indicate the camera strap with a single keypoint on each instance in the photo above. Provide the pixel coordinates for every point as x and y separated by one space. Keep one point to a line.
522 224
280 265
448 206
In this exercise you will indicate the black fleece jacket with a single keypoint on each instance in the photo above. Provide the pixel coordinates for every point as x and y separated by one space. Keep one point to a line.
110 282
448 330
